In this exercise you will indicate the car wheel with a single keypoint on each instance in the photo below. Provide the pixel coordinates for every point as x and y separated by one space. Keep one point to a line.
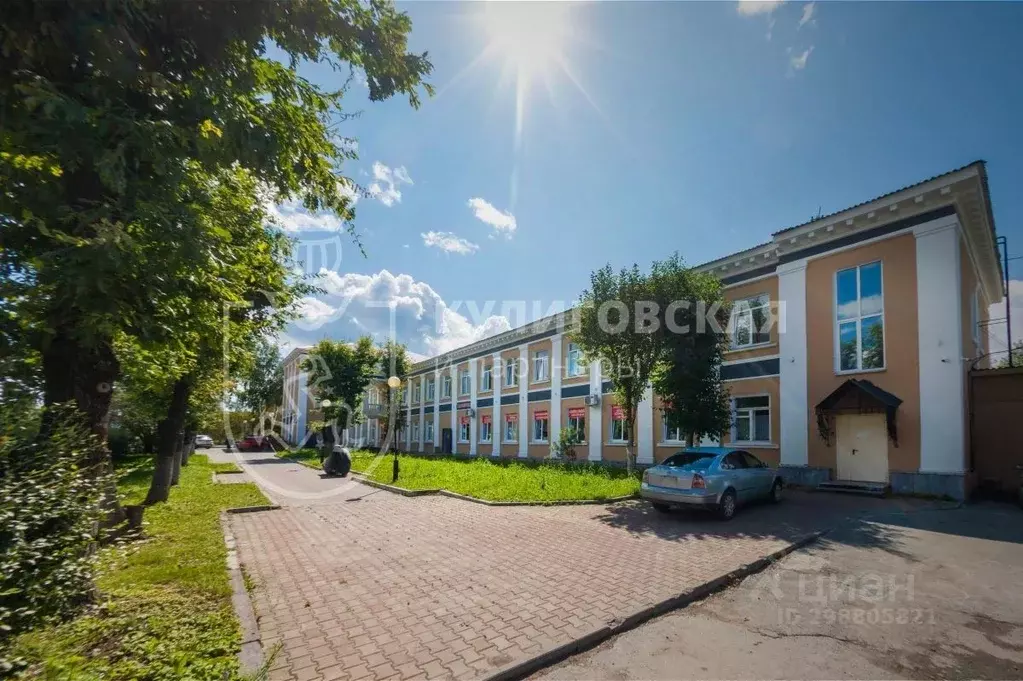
726 508
776 492
662 508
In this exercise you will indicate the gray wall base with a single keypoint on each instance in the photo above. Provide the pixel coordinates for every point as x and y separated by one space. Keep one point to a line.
804 476
951 485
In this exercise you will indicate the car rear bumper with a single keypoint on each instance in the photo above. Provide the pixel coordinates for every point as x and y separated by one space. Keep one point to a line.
684 497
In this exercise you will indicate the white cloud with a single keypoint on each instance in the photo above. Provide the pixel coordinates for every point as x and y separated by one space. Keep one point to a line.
808 12
996 336
751 7
292 216
386 185
798 62
502 222
313 312
421 318
446 241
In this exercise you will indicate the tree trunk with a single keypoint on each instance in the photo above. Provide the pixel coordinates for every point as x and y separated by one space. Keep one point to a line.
189 449
179 453
630 448
85 375
167 444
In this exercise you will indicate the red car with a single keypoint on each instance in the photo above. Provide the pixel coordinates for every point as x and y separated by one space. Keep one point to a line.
252 443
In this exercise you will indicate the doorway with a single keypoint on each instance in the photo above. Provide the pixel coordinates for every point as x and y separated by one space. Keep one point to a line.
446 441
862 443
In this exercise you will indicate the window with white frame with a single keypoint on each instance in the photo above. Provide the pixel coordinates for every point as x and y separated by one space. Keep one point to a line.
511 428
404 394
464 382
511 372
463 429
574 361
431 387
751 320
541 426
373 431
751 419
487 378
486 429
859 323
541 365
417 393
445 390
428 431
373 397
415 431
619 425
670 433
577 421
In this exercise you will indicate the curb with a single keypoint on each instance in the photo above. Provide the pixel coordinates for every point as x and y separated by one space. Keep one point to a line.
359 477
214 475
253 509
523 668
250 654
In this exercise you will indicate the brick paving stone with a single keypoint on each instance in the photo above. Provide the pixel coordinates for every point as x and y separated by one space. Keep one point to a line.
373 585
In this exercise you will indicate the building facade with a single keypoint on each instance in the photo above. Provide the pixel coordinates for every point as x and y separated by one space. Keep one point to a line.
851 341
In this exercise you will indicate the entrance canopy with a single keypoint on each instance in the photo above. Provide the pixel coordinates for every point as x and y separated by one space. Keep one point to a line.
857 396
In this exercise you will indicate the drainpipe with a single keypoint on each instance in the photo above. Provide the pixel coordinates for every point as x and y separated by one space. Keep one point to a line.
1004 243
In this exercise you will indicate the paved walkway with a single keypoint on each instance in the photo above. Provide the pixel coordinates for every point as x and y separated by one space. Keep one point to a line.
366 584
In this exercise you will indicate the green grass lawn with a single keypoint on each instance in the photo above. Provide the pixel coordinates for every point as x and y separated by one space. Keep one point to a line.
166 602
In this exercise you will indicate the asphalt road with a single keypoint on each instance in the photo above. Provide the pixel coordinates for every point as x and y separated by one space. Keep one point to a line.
928 594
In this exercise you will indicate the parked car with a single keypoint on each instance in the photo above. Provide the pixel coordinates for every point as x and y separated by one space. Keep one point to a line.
718 478
250 443
203 442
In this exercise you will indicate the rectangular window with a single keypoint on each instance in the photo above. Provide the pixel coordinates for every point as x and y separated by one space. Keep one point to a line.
577 421
511 428
486 379
445 390
463 428
574 363
859 307
670 433
417 393
486 429
373 397
619 426
541 423
428 431
431 386
751 320
752 419
464 382
415 431
541 368
511 373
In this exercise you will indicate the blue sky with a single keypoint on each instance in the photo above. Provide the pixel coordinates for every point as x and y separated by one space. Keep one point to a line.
697 127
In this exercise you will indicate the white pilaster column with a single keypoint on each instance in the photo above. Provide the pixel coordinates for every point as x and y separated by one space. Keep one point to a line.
422 413
556 373
595 414
472 405
496 378
792 385
436 410
524 425
645 428
939 316
408 415
453 372
303 407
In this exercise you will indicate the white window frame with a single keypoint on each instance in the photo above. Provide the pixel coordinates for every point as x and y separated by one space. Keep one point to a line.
574 356
464 382
428 431
445 389
487 379
372 397
666 430
417 393
415 431
431 387
625 429
733 322
511 373
541 366
537 441
571 422
514 432
468 431
858 319
750 412
486 432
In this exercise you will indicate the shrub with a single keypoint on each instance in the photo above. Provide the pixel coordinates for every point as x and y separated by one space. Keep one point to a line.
50 506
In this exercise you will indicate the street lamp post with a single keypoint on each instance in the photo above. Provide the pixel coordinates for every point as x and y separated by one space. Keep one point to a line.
393 383
326 405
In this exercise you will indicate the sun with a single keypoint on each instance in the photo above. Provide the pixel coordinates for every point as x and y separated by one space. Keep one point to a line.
529 36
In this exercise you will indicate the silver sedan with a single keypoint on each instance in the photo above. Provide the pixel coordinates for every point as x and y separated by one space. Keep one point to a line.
719 478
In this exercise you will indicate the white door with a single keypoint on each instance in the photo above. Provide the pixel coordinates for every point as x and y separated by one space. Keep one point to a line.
862 441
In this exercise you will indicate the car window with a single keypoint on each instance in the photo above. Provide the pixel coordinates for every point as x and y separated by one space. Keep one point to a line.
752 461
690 461
733 460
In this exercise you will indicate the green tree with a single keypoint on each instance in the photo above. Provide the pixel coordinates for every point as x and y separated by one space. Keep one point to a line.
609 333
692 325
262 389
394 361
114 114
1017 357
339 373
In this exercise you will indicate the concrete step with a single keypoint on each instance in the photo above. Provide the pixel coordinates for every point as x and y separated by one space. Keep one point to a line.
870 489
